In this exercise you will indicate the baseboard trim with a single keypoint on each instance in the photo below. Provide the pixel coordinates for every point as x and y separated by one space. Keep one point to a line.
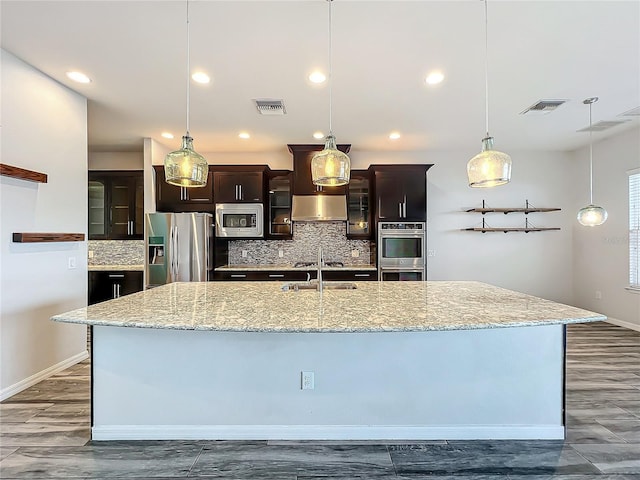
623 323
327 432
11 390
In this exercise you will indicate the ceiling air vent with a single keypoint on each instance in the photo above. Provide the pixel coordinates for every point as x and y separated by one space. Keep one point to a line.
267 106
542 107
602 125
634 112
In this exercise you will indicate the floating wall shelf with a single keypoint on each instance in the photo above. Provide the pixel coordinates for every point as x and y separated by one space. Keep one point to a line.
526 210
22 237
22 173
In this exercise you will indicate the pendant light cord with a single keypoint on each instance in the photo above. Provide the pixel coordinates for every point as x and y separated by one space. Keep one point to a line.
590 158
486 65
330 72
188 68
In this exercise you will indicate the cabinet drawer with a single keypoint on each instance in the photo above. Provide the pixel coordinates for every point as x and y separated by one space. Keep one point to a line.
260 276
350 275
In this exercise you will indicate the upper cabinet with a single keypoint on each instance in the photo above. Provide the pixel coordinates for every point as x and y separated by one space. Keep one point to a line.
359 205
116 204
302 182
171 198
400 192
238 184
278 212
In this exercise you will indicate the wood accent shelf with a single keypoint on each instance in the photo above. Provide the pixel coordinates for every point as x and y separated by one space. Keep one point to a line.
22 237
526 210
22 173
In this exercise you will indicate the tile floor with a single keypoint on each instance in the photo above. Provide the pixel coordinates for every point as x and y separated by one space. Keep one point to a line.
44 434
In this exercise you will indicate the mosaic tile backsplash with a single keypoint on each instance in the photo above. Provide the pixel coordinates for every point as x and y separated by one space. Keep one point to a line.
116 252
307 237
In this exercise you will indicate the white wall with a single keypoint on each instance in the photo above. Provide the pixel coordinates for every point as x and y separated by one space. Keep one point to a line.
116 161
601 254
44 128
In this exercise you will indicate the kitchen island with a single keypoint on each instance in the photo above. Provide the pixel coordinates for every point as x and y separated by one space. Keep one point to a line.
391 360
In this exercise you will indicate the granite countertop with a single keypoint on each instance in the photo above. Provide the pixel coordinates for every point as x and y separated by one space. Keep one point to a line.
280 268
105 268
372 307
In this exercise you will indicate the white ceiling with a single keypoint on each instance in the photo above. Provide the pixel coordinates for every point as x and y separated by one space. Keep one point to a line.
135 52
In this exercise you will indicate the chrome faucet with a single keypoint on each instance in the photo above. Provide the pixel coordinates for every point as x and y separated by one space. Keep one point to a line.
320 263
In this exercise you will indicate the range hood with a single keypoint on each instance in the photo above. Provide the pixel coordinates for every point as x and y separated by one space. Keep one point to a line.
318 208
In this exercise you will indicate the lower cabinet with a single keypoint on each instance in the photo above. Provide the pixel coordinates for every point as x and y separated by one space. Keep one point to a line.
107 285
295 276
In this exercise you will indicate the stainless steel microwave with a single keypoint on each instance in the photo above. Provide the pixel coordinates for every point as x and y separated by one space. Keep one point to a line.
244 220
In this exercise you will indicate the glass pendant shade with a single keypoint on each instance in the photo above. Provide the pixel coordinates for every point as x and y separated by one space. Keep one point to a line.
330 167
489 168
592 216
186 167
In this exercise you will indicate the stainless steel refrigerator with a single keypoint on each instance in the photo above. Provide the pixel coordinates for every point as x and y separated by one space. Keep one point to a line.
178 248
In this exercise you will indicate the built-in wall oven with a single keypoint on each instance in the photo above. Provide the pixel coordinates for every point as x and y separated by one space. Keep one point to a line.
402 251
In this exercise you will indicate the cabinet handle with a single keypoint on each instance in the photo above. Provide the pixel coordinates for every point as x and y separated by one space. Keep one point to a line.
238 275
113 291
362 275
116 275
118 290
404 210
235 195
276 275
400 210
240 190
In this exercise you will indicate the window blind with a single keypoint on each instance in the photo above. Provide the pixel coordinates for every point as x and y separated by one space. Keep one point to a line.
634 228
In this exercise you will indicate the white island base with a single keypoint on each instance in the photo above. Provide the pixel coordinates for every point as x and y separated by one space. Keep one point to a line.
495 383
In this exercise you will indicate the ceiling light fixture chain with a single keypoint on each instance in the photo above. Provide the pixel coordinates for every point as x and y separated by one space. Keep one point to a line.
490 167
330 57
188 68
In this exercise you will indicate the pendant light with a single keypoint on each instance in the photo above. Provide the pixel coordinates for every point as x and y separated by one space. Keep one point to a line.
490 167
186 167
330 167
591 215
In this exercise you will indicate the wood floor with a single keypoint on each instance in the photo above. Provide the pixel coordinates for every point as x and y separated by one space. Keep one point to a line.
45 434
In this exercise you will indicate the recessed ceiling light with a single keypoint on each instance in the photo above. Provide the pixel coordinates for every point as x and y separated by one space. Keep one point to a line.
434 78
318 135
317 77
78 77
168 135
244 135
200 77
394 135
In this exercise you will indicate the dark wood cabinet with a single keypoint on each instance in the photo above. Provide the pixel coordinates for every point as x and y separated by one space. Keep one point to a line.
359 225
400 192
278 211
261 275
302 181
349 275
116 204
171 198
238 184
107 285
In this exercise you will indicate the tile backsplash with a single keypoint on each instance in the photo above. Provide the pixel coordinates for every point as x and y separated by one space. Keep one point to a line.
307 237
116 252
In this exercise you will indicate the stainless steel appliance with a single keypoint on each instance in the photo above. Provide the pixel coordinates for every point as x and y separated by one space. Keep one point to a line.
178 248
316 208
243 220
402 251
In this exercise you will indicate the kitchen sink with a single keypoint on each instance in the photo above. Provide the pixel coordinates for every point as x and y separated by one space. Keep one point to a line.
313 285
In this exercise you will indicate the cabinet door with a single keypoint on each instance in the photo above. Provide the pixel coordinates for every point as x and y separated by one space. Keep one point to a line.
138 206
100 288
279 208
121 192
168 197
358 205
234 187
415 196
388 196
131 283
200 195
107 285
171 198
98 226
302 179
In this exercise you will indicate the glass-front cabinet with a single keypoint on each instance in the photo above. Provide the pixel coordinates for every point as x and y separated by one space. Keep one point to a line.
97 208
279 211
359 205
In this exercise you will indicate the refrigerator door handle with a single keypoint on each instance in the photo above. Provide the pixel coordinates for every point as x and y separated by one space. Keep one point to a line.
176 254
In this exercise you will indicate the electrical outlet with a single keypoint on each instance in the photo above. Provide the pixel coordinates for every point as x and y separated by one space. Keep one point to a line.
355 253
280 253
307 381
598 295
72 263
90 253
244 254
